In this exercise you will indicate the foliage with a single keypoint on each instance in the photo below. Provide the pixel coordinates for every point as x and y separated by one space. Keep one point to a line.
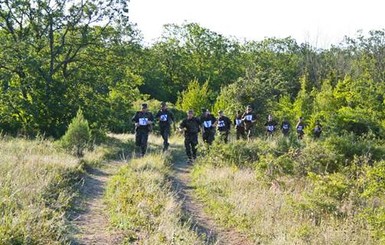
78 136
195 97
38 186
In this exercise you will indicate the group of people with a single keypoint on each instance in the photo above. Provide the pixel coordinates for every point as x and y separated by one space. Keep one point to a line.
208 124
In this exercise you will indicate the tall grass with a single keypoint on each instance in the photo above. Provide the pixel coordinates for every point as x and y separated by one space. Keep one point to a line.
142 204
290 193
37 188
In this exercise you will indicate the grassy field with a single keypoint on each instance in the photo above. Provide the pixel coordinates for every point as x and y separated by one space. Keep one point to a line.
38 184
288 198
142 204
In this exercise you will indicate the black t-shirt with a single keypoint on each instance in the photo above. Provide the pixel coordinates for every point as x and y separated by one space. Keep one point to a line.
224 124
165 118
285 126
300 127
271 126
249 118
208 121
318 128
191 125
238 122
142 118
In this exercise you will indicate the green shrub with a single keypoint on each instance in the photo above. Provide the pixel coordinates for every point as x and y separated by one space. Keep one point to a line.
317 158
373 182
350 145
238 153
77 138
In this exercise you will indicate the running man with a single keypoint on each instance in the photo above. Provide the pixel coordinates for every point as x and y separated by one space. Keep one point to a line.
239 126
249 118
165 118
143 120
300 128
270 125
208 122
317 129
285 127
191 127
224 125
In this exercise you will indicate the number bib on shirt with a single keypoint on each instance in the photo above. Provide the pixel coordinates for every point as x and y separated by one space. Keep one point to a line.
163 118
238 122
299 128
249 117
143 121
285 126
207 124
270 128
221 124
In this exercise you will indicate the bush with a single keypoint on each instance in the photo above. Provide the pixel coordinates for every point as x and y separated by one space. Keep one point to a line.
78 135
238 153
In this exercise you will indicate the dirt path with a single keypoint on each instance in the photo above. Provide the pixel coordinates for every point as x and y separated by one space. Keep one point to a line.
93 223
203 224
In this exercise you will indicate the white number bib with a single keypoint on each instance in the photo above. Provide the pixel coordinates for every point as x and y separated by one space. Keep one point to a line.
163 118
270 128
143 121
207 124
238 122
249 117
221 124
285 126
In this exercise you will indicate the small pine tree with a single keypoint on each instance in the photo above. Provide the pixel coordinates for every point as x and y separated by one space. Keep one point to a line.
78 135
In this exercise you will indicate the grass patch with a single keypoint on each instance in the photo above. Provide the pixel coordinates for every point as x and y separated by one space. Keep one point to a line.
142 204
38 184
292 193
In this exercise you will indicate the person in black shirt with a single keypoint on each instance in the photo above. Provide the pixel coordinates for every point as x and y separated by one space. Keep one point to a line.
300 128
143 122
224 125
285 127
317 129
270 125
208 122
249 119
191 127
165 118
239 126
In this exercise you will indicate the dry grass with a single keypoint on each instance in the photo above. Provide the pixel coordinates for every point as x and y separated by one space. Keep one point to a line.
37 188
143 206
236 198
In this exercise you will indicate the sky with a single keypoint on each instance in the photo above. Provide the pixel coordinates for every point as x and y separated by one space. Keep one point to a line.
320 23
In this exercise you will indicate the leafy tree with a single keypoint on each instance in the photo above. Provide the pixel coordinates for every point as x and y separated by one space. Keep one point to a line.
42 47
195 97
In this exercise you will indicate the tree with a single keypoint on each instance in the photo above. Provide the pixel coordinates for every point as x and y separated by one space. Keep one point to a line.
195 97
78 136
41 45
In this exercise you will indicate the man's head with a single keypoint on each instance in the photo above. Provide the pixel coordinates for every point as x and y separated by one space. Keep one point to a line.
220 113
144 107
190 114
270 117
301 119
163 105
239 112
249 108
203 110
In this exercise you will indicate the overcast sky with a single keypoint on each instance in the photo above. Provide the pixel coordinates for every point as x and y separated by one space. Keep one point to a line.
320 23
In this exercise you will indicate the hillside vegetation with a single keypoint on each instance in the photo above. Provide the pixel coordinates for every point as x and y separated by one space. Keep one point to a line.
281 191
38 184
